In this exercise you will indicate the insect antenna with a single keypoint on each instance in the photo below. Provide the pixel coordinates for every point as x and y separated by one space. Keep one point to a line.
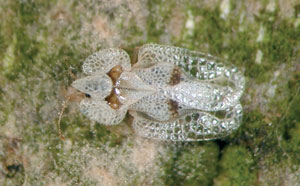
64 105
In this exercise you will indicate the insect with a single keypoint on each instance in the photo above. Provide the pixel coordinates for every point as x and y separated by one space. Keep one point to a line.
172 93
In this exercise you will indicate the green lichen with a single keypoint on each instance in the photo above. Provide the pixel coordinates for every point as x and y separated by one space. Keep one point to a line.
236 167
192 165
291 120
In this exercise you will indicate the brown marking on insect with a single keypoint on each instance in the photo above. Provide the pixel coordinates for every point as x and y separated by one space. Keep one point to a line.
113 100
115 73
175 76
173 107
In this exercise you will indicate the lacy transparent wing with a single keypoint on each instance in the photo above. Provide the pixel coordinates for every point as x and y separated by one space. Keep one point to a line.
157 75
159 107
202 66
104 60
100 111
202 95
193 126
